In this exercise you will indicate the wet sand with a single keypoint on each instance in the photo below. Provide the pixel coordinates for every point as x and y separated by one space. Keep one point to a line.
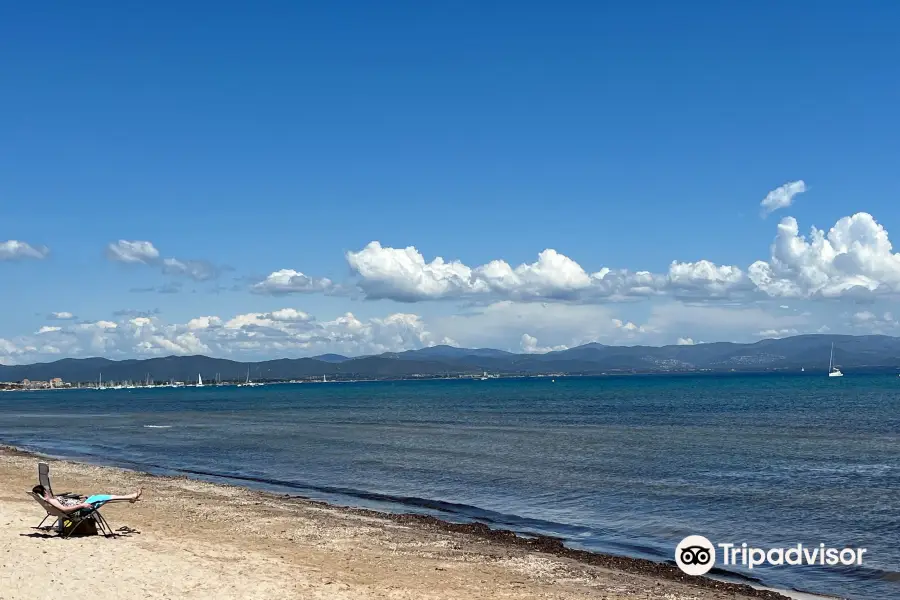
188 538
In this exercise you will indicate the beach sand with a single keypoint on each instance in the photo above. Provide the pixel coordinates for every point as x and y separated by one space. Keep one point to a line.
202 540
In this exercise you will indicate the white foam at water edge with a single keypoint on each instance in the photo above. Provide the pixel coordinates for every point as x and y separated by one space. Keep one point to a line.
157 426
794 595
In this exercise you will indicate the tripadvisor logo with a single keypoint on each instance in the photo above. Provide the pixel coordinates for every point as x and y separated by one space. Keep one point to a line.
696 555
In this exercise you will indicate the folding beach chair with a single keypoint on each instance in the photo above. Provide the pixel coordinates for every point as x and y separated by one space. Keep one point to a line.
77 518
44 480
66 498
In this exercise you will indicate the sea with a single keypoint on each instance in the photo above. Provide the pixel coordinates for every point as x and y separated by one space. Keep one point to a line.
622 465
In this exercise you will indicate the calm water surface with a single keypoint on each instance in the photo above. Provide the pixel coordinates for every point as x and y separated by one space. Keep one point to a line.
622 465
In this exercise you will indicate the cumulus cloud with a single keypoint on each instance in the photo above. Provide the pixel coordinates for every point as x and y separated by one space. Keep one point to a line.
284 332
529 345
405 276
704 279
781 197
60 316
628 327
16 250
684 341
288 281
853 259
201 323
145 253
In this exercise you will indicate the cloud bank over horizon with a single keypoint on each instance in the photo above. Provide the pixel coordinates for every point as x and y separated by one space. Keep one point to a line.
854 259
843 279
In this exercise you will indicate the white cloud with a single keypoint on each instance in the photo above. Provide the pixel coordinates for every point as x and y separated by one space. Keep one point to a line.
288 281
705 279
553 275
290 315
204 323
284 332
404 275
781 197
198 270
628 327
867 322
864 317
853 259
684 341
502 325
777 333
60 316
145 253
516 326
16 250
529 345
132 252
719 323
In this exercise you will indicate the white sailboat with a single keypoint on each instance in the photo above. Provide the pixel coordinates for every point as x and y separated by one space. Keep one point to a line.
247 383
833 371
324 380
199 380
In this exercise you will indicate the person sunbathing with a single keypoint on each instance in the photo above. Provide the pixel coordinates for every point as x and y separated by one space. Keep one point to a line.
92 502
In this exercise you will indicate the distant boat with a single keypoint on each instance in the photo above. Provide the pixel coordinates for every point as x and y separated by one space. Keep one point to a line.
247 383
199 380
324 380
484 377
833 371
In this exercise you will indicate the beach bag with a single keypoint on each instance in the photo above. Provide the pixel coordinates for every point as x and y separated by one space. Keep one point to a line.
87 526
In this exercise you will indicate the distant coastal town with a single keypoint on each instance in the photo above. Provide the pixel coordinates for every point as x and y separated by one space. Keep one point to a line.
58 384
27 384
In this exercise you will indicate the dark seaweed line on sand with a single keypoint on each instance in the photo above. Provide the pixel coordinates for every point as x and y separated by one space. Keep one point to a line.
556 547
537 543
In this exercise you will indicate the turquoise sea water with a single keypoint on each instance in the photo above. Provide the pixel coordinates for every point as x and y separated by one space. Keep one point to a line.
622 465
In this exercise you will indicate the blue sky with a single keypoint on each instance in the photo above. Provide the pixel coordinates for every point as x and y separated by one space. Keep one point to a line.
279 136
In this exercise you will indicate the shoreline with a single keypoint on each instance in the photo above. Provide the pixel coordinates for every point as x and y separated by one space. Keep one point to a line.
862 370
489 541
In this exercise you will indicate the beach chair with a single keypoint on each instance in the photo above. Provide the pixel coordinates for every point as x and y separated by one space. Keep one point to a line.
77 518
44 480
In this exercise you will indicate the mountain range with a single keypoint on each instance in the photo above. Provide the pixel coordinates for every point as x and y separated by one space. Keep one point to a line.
809 352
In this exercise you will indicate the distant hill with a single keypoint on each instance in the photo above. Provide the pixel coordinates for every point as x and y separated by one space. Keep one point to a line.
331 358
861 353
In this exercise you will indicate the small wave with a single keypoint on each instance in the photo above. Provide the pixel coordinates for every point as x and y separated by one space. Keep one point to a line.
466 512
158 426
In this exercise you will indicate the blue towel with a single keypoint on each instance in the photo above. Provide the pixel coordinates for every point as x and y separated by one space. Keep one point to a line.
98 500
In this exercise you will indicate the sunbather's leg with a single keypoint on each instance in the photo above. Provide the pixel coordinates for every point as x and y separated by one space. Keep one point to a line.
104 498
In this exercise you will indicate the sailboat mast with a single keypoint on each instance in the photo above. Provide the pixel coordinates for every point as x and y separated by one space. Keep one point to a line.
831 359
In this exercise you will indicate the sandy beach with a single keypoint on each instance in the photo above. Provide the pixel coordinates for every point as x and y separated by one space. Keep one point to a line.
200 540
